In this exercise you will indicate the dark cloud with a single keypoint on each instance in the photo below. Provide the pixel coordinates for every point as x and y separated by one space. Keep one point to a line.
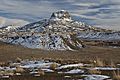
95 12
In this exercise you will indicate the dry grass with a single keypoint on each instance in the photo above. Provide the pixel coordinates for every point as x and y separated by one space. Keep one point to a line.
95 72
99 63
18 59
11 52
19 70
53 66
41 72
116 75
112 64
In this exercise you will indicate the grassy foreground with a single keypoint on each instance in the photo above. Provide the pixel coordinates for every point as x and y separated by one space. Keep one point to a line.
11 52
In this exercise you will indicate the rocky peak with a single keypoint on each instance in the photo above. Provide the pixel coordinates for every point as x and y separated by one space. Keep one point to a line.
64 15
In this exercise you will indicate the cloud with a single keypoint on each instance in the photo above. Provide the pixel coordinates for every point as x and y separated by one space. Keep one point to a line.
17 22
94 12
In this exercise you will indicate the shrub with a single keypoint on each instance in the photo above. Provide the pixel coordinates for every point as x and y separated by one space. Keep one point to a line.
53 66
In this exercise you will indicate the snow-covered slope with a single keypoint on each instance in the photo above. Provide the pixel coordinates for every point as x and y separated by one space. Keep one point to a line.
59 32
49 34
11 23
105 36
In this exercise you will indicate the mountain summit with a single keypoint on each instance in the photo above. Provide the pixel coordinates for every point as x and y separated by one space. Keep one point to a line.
64 15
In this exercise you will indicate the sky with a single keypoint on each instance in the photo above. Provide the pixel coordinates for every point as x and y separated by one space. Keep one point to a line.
103 13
